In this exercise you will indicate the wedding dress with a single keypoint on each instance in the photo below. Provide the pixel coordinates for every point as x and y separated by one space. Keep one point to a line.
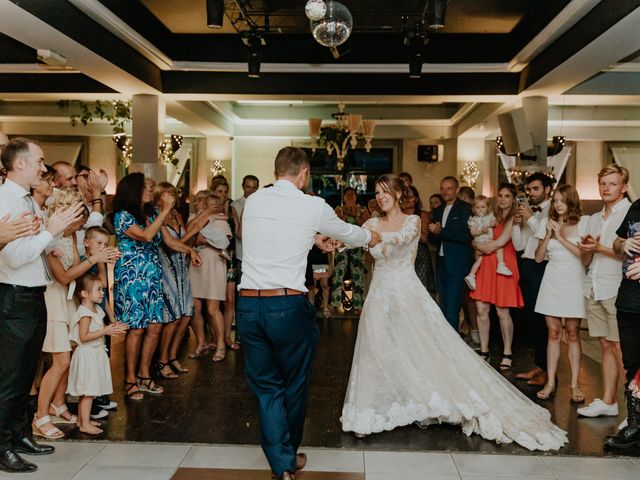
410 365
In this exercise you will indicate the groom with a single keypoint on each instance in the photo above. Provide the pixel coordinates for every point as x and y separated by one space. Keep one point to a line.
275 319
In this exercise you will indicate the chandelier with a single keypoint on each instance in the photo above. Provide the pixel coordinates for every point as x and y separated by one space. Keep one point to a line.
348 131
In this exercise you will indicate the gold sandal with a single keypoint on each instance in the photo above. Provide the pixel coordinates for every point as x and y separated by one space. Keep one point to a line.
54 433
219 355
576 394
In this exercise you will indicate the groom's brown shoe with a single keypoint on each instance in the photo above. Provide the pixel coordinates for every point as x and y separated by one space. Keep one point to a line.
539 380
534 372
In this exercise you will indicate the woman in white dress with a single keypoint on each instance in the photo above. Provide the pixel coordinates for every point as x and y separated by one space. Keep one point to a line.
409 365
562 289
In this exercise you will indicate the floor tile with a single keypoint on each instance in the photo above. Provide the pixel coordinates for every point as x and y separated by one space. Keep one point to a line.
409 463
334 460
102 472
244 474
76 453
141 455
225 457
50 472
501 465
416 476
592 468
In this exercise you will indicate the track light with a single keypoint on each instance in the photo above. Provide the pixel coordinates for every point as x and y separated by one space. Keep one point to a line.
415 66
254 44
215 13
437 12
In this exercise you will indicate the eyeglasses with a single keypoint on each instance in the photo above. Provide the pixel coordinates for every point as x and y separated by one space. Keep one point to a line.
84 175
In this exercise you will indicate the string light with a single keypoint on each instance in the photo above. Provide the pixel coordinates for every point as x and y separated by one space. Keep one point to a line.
470 173
217 168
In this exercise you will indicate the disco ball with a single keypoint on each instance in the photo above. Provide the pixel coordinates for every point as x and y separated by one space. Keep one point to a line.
315 9
335 27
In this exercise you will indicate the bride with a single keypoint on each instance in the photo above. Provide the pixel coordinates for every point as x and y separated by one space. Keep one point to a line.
409 365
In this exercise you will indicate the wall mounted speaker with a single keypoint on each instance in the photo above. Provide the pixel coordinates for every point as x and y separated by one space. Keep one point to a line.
430 153
515 132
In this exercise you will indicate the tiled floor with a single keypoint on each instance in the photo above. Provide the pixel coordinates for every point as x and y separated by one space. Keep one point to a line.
147 461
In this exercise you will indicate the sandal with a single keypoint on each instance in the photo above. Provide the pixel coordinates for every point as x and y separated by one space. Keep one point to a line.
177 367
233 346
146 384
135 395
506 357
53 433
200 351
576 394
486 356
327 312
59 412
169 376
219 355
545 393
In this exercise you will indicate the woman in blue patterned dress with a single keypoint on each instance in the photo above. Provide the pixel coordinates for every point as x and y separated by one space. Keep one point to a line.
176 286
138 299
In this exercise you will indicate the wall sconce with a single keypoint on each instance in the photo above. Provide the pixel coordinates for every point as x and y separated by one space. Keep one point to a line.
168 148
470 173
125 145
217 168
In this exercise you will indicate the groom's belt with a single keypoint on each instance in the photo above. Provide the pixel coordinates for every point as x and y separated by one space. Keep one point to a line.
269 292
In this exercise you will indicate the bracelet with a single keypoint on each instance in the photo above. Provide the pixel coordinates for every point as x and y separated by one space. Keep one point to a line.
96 200
90 262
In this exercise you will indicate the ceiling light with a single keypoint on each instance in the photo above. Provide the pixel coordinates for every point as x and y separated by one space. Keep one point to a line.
215 13
254 44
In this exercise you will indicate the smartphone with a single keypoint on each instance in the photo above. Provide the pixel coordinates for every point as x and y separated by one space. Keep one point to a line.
521 199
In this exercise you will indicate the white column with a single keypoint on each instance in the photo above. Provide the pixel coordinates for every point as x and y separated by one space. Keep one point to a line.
536 111
148 114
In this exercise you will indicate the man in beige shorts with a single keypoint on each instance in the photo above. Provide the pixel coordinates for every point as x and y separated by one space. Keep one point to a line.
602 282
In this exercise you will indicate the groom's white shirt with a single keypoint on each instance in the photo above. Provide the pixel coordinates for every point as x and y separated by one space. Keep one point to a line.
279 225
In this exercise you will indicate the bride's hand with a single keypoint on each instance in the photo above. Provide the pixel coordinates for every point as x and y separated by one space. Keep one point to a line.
325 243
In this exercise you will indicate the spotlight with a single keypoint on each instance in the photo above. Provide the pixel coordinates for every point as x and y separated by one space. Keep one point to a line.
215 13
437 13
254 42
415 66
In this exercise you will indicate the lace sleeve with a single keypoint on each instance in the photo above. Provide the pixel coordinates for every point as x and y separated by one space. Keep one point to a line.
406 234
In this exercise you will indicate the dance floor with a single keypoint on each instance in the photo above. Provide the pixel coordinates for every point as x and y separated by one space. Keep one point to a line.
212 405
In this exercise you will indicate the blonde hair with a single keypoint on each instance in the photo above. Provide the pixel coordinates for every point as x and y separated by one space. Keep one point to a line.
612 169
482 198
64 197
163 187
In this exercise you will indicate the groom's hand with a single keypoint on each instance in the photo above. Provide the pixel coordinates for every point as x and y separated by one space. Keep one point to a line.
324 243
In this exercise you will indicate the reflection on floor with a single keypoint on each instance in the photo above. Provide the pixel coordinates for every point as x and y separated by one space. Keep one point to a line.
212 404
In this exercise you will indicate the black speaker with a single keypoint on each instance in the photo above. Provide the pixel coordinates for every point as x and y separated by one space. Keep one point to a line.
428 153
515 132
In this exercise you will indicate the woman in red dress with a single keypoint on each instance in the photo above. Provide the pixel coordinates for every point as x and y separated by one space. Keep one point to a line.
493 288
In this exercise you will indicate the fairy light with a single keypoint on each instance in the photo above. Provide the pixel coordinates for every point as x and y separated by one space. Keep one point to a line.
217 168
470 173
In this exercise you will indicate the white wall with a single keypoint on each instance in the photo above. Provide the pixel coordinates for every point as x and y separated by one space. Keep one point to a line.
427 176
255 156
590 158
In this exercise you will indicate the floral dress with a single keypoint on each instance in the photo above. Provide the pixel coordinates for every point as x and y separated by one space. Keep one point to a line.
350 260
137 291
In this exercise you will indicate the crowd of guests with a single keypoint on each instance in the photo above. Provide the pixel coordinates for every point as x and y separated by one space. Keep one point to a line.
531 250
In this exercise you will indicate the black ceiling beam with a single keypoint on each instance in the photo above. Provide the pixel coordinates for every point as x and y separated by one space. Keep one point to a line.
600 19
66 18
51 83
12 51
340 84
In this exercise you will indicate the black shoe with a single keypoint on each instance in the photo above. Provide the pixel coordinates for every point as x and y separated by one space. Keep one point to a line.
11 462
104 403
28 446
626 438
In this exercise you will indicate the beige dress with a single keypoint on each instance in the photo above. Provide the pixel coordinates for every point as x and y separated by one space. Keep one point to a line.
59 309
209 280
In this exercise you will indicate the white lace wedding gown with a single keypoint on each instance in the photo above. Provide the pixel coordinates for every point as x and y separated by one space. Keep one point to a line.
410 365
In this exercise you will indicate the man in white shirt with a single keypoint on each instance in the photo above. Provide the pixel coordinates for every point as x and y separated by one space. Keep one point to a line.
24 275
525 224
250 184
275 319
602 283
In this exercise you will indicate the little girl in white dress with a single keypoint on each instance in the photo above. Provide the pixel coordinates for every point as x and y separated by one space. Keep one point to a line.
90 372
481 226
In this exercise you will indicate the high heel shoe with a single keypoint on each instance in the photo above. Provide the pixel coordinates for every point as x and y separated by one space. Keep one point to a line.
506 357
576 394
170 375
545 393
486 356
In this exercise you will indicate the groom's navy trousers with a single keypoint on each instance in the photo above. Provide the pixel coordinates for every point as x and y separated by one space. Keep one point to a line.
279 339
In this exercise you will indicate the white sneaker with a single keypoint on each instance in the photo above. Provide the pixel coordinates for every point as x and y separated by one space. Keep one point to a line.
598 408
470 280
624 424
503 270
